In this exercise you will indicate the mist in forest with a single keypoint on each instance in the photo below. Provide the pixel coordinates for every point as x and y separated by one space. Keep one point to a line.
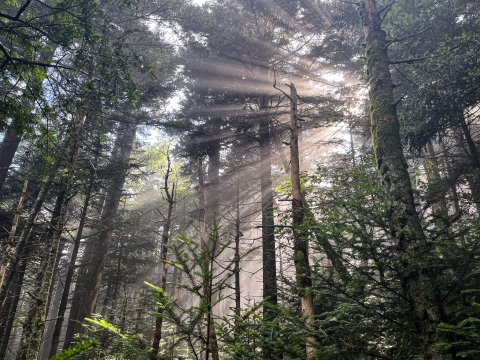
239 179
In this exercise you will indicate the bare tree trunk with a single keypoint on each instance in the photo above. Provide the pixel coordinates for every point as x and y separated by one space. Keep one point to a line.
300 236
439 206
417 277
68 278
237 256
7 315
474 158
211 340
451 178
121 155
16 219
12 262
170 195
34 326
9 147
268 230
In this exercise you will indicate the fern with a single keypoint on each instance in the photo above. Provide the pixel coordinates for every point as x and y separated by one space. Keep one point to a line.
78 349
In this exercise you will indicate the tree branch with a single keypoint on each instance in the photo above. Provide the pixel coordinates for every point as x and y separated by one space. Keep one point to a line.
397 39
19 13
386 9
409 61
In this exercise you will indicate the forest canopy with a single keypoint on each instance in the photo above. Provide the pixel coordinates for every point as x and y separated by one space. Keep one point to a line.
239 179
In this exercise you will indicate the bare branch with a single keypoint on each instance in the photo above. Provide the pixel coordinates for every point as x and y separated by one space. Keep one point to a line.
409 61
397 39
386 9
275 84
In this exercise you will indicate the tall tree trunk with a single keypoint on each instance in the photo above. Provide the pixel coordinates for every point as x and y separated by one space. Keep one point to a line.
439 206
34 326
237 256
416 277
207 248
268 230
452 176
9 147
94 274
212 217
170 195
7 315
13 230
474 158
14 258
112 310
300 236
68 278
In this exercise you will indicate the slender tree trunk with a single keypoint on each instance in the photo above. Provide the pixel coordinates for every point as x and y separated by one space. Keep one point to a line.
210 341
300 236
237 256
268 230
11 236
170 195
451 178
439 206
203 237
9 147
417 277
34 326
123 147
212 217
68 278
12 262
113 309
474 158
7 316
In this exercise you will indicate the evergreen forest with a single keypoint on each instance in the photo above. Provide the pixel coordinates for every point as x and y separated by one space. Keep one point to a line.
239 179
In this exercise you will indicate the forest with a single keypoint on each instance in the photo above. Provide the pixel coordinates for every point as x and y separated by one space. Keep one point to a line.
240 179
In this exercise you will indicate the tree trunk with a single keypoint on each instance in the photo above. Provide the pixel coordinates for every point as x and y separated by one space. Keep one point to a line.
300 236
9 147
211 340
416 276
475 159
268 230
68 278
439 206
7 316
170 195
12 262
94 273
237 257
34 326
13 230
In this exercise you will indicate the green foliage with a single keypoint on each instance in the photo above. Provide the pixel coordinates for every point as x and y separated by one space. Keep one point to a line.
76 351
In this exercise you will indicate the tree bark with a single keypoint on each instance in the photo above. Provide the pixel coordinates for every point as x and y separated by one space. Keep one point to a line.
268 230
475 159
237 256
207 249
416 276
7 315
8 149
68 278
34 326
94 273
170 195
300 236
13 230
439 206
12 262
